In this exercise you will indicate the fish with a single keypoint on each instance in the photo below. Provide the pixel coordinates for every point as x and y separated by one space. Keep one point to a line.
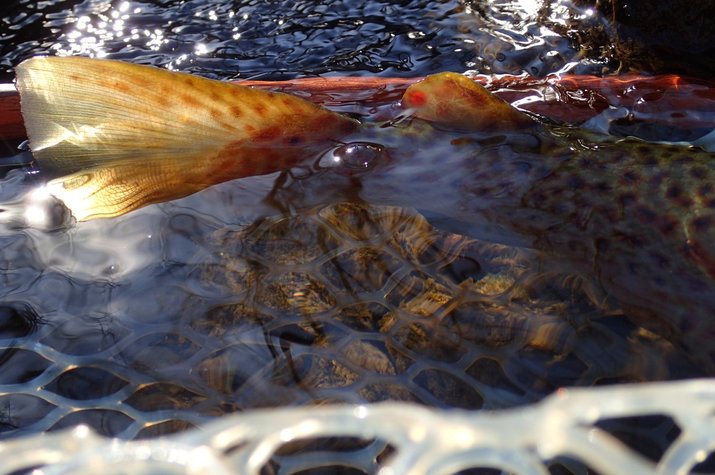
635 219
137 135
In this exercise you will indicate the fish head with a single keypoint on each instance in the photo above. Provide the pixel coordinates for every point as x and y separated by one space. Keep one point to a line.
458 103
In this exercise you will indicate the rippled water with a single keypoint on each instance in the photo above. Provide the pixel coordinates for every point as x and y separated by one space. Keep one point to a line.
265 291
290 39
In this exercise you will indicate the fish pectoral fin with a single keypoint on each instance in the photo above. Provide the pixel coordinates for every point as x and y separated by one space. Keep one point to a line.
83 113
456 102
119 187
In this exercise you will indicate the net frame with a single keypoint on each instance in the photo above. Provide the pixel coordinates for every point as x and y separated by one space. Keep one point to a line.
425 440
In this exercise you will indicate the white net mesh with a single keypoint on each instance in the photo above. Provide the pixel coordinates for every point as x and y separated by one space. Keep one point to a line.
401 438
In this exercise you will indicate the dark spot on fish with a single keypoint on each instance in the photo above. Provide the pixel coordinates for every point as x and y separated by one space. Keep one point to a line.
587 163
189 100
609 212
627 199
684 159
634 268
704 190
660 259
601 244
74 77
657 179
629 239
699 173
645 214
294 140
235 111
644 150
575 182
249 129
684 202
260 109
667 225
630 177
602 186
649 160
677 115
701 224
214 95
673 192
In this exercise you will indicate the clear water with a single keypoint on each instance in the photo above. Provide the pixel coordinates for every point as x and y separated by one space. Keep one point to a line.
219 302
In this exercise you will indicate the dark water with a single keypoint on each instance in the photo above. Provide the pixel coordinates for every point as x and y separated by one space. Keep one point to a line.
289 39
160 319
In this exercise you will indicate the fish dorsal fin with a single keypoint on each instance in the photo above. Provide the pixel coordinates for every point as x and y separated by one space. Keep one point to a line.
82 113
456 102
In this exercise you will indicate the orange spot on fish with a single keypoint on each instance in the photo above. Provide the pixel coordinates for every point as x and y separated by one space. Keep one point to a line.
189 100
268 134
415 99
120 86
215 113
260 109
162 101
235 111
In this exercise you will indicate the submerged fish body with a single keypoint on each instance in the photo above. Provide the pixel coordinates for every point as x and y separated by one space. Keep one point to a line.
636 218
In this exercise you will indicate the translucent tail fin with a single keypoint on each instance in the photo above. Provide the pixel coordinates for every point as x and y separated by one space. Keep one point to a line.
132 125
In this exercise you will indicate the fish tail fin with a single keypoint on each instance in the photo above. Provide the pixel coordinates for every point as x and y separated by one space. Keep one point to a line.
83 113
457 102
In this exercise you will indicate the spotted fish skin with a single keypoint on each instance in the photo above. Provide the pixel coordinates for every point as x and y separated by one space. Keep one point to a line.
140 135
640 219
637 218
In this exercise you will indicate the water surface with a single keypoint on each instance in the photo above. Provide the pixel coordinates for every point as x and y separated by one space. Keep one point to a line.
271 290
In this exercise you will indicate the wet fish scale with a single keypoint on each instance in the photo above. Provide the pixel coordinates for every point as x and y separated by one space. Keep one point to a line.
637 213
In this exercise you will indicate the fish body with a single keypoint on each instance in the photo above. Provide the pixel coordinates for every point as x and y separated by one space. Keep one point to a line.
638 219
635 218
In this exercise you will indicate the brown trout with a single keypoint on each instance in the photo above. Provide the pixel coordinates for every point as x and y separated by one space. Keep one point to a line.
637 220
